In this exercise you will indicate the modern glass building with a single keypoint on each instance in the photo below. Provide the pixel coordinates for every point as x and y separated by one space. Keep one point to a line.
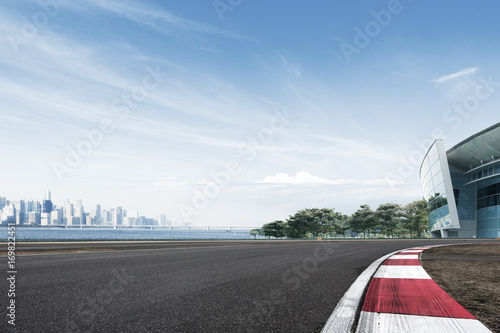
462 186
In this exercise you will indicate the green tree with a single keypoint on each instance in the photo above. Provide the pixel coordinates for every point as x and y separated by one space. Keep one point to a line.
298 225
389 217
315 221
331 222
255 232
274 229
363 221
416 216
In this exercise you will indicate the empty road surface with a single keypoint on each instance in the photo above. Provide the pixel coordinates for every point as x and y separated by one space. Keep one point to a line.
232 287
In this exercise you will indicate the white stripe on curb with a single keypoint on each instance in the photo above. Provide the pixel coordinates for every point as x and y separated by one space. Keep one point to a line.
401 272
405 256
342 318
372 322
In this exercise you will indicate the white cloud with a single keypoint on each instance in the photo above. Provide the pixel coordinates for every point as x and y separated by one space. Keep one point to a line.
340 146
169 182
300 178
162 20
459 74
292 69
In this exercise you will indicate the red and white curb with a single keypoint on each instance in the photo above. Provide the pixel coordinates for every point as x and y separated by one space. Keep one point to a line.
402 297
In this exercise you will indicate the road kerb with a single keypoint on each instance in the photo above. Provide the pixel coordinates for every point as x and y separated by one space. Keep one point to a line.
343 317
402 297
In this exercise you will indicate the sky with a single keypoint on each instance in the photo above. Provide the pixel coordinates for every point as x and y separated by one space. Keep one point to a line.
238 112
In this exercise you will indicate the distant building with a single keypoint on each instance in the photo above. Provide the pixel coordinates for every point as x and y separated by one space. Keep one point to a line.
79 212
56 216
20 209
117 216
68 211
107 217
98 214
34 218
90 220
148 221
130 218
47 208
46 213
127 220
140 220
45 219
33 206
462 186
3 202
72 220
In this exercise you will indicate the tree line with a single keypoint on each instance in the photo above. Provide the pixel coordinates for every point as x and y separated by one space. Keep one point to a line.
388 220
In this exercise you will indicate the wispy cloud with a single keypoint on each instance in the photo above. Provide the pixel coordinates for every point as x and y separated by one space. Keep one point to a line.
161 20
462 73
339 146
302 177
292 69
169 182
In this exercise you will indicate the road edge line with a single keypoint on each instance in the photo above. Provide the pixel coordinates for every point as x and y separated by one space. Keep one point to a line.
344 316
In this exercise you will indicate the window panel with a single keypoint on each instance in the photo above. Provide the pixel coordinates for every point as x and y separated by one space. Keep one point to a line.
492 189
439 188
438 178
433 155
487 224
436 169
425 168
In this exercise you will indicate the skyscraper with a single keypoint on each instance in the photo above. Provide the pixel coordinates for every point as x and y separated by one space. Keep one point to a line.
98 214
57 216
117 216
34 218
46 209
20 209
79 213
3 202
68 212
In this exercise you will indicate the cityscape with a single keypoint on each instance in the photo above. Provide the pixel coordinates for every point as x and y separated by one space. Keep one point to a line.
46 213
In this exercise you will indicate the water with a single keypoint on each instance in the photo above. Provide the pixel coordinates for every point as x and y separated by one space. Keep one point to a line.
59 234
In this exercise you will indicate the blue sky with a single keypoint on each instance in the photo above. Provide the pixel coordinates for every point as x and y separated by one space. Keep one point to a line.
324 104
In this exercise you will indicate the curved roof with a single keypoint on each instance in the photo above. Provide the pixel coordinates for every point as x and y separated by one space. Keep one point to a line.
477 149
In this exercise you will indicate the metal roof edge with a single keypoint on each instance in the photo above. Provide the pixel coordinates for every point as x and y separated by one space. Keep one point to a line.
486 130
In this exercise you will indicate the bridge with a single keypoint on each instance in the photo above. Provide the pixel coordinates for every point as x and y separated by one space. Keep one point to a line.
151 227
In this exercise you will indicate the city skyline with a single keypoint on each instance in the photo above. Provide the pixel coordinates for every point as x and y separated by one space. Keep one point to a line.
46 213
196 110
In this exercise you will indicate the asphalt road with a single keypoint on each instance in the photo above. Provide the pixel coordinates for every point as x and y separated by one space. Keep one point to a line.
247 287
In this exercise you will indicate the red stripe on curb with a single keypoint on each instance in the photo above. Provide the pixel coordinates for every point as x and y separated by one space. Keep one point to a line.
402 262
407 253
421 297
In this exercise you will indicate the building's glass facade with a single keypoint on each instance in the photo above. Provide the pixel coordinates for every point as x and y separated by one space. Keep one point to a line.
433 180
488 208
465 197
462 186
